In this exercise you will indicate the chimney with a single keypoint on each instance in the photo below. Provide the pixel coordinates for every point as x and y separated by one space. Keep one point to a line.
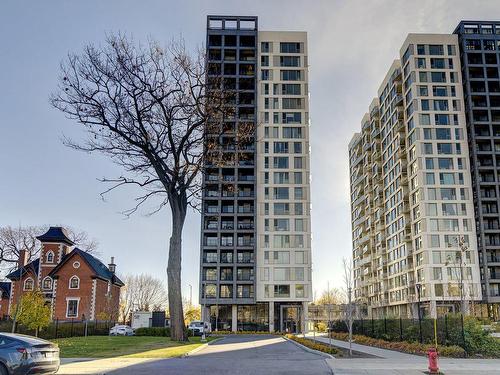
112 265
23 258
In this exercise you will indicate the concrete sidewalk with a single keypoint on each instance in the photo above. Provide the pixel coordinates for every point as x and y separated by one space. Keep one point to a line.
98 366
393 362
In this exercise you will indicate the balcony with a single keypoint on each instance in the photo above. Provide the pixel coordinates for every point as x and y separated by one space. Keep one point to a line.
246 225
245 257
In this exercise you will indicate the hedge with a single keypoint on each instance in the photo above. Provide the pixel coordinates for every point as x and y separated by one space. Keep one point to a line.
313 344
402 346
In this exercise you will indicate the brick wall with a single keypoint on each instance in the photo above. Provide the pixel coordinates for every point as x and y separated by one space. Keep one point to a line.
63 292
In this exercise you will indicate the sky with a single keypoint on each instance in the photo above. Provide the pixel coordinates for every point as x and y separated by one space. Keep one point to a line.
351 46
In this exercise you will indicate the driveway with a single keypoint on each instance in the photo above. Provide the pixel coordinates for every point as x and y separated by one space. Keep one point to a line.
234 354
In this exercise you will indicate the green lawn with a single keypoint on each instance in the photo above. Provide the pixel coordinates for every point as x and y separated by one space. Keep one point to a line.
127 346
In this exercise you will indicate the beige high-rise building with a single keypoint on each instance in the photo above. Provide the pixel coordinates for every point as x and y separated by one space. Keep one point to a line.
283 166
411 195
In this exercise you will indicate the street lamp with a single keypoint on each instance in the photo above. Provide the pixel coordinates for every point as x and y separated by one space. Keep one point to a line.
418 286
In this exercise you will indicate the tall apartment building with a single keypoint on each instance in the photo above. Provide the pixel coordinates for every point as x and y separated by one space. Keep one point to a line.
479 46
405 250
255 263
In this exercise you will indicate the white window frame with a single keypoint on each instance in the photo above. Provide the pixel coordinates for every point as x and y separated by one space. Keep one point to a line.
50 252
24 284
71 278
68 299
51 283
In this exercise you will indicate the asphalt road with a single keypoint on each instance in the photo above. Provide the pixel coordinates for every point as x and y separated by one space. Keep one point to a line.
239 355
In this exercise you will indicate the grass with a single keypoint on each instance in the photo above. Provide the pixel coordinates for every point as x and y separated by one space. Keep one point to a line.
125 346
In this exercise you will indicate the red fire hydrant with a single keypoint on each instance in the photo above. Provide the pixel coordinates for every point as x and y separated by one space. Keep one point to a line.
433 361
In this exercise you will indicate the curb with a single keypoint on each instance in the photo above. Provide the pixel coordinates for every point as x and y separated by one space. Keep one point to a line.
313 351
197 349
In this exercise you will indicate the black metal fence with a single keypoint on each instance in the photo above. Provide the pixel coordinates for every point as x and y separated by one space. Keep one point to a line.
61 329
448 330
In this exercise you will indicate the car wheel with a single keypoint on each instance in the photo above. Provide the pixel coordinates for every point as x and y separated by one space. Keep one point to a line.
3 369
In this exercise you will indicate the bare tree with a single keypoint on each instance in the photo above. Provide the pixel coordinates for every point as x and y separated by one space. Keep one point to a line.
142 293
349 307
15 239
148 109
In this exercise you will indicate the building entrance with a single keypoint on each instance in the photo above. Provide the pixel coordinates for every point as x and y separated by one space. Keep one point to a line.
290 318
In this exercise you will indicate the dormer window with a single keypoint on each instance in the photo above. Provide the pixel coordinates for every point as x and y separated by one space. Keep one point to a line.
74 282
50 257
47 283
29 284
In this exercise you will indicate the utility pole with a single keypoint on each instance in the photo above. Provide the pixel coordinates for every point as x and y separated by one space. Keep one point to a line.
190 295
329 317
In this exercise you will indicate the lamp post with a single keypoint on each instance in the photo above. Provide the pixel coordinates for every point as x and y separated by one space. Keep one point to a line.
418 286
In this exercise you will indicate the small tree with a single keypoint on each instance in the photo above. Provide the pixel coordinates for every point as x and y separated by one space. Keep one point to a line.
332 296
349 307
192 313
32 312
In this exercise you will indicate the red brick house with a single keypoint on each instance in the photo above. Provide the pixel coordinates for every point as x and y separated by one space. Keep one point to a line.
76 284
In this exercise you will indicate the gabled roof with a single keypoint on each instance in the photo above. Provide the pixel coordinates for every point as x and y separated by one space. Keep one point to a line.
5 288
56 234
100 270
18 273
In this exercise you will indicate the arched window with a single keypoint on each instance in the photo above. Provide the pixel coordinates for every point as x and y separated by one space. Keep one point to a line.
74 282
47 283
29 284
50 257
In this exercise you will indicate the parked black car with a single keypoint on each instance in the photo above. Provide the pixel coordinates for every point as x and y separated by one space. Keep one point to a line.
21 354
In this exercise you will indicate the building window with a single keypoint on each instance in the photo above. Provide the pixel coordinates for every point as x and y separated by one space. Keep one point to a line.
299 291
50 257
282 291
29 284
72 308
74 282
47 283
209 291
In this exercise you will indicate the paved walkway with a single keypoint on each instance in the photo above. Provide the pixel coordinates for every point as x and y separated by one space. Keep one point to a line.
377 352
393 362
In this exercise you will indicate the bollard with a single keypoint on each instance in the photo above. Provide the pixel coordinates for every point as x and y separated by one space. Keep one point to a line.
433 361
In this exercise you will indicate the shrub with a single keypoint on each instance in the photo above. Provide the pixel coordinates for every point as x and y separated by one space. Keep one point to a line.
313 344
321 327
479 341
153 331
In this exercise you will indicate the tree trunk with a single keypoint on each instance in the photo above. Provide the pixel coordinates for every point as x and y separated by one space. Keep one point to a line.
178 206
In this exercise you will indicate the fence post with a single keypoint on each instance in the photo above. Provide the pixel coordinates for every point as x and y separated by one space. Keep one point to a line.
373 328
400 328
72 321
362 329
57 327
385 326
